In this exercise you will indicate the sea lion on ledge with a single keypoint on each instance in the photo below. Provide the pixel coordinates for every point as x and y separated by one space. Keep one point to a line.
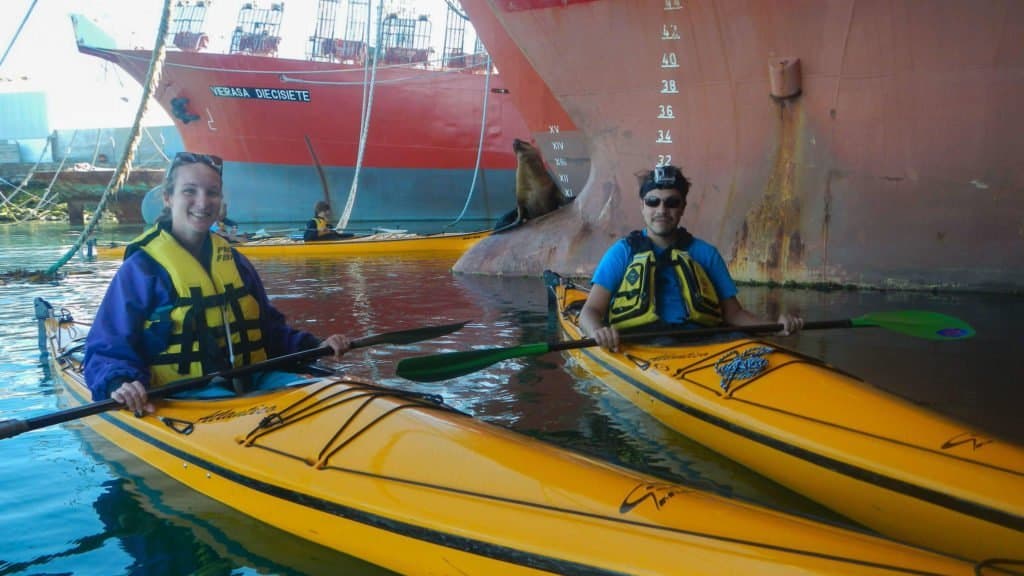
536 191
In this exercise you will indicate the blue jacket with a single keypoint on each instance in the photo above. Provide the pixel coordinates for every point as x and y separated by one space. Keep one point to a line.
116 350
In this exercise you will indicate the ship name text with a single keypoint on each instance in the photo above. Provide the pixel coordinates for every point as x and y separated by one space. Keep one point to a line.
278 94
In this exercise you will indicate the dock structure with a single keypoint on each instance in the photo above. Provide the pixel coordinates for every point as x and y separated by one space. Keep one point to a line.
80 188
75 167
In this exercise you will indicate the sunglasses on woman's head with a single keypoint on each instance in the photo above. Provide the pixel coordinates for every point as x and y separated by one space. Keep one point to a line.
670 202
210 160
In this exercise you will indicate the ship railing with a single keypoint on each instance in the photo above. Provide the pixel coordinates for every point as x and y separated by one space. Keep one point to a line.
401 55
191 41
259 43
456 59
342 50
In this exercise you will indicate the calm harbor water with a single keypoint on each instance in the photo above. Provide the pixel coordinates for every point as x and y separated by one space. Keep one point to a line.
72 503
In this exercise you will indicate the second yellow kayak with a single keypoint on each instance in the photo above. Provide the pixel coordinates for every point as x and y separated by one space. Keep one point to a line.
379 243
905 471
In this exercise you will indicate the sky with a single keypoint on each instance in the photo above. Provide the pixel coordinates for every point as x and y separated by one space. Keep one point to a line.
82 91
87 92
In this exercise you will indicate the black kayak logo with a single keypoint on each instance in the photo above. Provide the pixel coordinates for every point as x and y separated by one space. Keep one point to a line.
966 438
659 493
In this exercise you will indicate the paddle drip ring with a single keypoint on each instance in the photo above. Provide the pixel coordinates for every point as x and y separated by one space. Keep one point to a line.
741 366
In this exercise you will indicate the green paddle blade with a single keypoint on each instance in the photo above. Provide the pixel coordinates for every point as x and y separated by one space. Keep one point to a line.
918 323
454 364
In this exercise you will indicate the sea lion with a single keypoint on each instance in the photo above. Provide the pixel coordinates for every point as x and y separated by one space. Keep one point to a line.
536 191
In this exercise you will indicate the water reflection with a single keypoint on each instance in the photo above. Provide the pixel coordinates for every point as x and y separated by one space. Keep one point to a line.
152 546
150 524
971 380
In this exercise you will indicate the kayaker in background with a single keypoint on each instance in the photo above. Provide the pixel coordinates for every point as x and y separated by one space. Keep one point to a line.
148 331
319 227
227 227
662 277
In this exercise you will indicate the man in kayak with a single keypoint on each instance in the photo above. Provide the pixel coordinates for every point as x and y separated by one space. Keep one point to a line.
662 277
185 303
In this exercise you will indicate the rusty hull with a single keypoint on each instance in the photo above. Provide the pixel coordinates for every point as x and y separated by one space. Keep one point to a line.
896 166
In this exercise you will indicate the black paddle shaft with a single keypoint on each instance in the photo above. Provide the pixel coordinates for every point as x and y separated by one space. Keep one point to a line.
9 428
700 332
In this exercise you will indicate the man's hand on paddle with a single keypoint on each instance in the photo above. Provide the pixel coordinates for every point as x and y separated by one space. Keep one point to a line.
790 323
606 337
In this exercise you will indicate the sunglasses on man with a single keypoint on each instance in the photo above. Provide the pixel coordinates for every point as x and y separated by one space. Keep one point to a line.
671 202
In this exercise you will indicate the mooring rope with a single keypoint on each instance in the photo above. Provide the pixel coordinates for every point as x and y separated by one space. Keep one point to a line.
364 127
479 146
125 166
22 187
48 195
17 32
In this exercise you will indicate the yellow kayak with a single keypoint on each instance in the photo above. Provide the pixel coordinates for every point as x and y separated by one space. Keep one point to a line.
895 467
379 243
402 480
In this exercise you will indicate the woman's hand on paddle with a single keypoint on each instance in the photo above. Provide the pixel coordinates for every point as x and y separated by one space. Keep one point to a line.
339 343
134 397
790 323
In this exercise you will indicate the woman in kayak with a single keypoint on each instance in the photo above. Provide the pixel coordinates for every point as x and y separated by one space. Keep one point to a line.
319 226
185 304
663 277
227 227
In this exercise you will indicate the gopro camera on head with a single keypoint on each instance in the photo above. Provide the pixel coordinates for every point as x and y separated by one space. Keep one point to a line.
665 176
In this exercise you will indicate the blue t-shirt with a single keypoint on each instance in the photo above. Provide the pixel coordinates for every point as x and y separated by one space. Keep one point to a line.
667 292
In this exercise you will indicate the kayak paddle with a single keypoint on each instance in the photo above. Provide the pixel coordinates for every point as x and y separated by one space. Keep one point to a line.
9 428
917 323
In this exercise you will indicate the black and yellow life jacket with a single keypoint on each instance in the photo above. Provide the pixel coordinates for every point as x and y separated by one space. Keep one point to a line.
193 326
321 224
634 302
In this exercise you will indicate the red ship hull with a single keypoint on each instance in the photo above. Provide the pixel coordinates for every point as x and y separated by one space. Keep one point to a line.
888 158
562 144
268 116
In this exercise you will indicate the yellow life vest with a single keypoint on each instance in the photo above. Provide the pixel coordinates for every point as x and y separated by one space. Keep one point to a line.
193 326
634 302
321 223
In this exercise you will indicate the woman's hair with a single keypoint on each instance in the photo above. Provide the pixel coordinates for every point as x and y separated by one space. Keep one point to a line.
321 206
165 212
